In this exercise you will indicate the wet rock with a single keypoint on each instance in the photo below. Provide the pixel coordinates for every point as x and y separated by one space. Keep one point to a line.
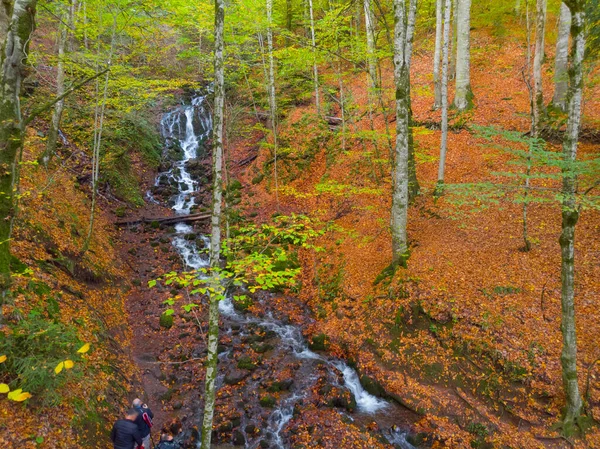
268 401
261 348
238 438
235 377
246 363
177 405
166 321
372 386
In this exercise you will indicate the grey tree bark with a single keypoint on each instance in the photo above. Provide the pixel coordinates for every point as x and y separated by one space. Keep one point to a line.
370 32
215 238
271 89
314 50
12 60
437 84
463 97
63 33
6 7
444 140
399 216
570 215
538 59
413 183
561 62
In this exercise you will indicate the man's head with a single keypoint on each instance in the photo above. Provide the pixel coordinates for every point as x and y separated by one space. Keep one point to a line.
137 402
131 414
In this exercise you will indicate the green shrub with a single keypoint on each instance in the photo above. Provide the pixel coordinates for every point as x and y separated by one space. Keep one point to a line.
33 347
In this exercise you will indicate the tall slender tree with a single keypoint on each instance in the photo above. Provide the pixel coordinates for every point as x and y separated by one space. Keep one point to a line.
215 238
561 78
370 33
12 59
271 91
314 51
437 55
413 182
538 59
444 140
570 216
63 33
463 96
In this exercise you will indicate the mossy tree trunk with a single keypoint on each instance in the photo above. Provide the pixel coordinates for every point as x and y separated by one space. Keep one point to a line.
570 215
13 57
437 55
215 238
538 60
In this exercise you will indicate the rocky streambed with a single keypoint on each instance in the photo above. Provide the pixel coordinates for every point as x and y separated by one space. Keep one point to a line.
275 389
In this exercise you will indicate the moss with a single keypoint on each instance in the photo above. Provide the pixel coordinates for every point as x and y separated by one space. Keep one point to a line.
268 401
319 342
246 363
166 321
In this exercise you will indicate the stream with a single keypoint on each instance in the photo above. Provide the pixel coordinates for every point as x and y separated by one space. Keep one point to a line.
282 346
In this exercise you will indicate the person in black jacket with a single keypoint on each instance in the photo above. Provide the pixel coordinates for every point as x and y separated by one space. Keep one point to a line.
143 421
125 434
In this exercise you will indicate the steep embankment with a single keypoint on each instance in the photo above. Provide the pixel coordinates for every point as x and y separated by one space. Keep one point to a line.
469 334
62 298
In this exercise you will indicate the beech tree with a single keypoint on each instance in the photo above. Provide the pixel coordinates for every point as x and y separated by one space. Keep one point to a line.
370 33
12 60
463 97
437 83
538 59
570 216
444 140
314 51
215 237
561 62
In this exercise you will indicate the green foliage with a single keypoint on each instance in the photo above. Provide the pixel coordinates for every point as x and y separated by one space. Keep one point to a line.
34 347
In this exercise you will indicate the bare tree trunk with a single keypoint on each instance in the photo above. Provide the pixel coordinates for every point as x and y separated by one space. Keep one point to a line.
526 240
538 59
453 38
215 238
98 130
561 77
314 49
12 59
413 182
400 172
272 99
370 32
517 6
66 18
444 141
437 54
463 97
570 215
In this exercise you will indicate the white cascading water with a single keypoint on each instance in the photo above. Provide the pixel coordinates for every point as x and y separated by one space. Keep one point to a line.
178 128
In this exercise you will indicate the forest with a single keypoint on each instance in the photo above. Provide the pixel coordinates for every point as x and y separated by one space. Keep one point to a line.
293 224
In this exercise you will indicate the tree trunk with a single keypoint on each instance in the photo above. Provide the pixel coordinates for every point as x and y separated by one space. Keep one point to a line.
413 182
63 34
463 97
271 88
444 141
561 81
370 32
314 49
538 59
6 7
453 38
437 55
400 173
215 239
570 215
14 54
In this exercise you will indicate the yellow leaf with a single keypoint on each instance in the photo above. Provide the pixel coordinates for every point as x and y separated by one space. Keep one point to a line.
22 397
4 388
2 358
85 348
59 367
69 364
13 394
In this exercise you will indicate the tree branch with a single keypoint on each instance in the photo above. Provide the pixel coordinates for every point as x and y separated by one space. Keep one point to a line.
51 103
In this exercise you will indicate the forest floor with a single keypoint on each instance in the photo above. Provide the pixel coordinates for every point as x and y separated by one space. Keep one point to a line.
468 334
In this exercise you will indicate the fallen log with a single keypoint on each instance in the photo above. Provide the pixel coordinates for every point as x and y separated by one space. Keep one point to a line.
165 220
